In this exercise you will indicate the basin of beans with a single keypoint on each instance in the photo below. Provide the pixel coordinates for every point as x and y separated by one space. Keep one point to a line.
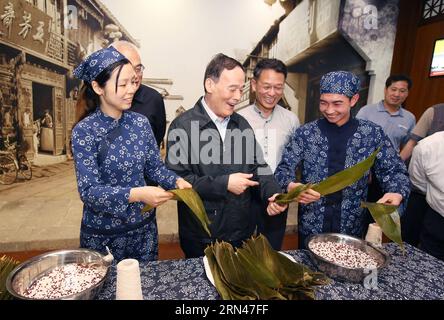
343 254
346 258
64 281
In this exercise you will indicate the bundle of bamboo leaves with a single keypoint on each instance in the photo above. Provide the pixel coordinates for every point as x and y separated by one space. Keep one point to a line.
386 216
256 271
7 264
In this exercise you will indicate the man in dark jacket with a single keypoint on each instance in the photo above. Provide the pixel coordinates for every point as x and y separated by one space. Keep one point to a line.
146 101
215 150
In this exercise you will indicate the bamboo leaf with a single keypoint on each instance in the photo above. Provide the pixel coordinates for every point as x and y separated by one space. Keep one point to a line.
194 202
7 264
387 217
334 183
222 287
240 279
345 177
285 198
257 269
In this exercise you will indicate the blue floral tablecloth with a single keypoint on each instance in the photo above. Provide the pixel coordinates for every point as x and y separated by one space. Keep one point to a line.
415 275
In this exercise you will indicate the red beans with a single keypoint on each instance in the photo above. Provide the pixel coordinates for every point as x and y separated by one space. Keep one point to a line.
343 254
64 280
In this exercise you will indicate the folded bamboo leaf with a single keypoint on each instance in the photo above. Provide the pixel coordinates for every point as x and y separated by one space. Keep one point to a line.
334 183
194 202
387 217
345 177
284 198
224 290
235 277
257 269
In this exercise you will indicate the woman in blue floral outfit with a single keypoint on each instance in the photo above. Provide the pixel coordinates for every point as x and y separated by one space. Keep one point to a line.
113 149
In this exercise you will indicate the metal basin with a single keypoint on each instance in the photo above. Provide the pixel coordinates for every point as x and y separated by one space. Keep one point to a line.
26 273
339 272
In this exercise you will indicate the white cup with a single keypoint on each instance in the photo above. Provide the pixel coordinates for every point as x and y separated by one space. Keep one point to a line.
374 234
128 285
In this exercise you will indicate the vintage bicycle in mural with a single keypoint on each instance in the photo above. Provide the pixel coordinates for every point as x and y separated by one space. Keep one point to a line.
13 161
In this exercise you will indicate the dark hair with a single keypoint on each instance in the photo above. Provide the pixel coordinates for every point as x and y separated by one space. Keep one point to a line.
396 78
88 100
219 63
267 64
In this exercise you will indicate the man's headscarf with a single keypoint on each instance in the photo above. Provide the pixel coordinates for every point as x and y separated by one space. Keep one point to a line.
95 63
340 82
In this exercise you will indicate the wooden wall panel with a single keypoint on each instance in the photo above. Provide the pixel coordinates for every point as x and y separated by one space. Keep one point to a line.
426 91
413 53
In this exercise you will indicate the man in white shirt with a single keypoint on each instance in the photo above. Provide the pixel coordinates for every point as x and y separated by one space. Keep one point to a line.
426 171
273 125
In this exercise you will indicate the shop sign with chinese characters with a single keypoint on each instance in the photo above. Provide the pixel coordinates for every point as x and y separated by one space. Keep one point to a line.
25 25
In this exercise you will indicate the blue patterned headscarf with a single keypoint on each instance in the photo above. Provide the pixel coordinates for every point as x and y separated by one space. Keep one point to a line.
95 63
340 82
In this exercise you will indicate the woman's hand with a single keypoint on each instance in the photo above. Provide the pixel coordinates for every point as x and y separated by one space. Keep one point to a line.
393 199
305 197
183 184
273 208
154 196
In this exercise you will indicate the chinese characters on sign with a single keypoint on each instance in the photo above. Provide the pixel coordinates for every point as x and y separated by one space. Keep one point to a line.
23 24
8 16
26 26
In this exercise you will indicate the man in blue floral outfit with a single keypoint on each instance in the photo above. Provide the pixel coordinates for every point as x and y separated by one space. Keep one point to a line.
331 144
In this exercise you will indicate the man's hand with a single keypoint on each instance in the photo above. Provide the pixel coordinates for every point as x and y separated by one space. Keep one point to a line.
183 184
393 199
239 182
306 197
154 196
273 208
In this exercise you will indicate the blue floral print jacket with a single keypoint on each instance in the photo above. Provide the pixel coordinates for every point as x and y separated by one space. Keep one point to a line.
308 149
105 178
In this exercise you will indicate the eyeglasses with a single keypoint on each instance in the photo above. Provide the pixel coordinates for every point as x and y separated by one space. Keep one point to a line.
139 68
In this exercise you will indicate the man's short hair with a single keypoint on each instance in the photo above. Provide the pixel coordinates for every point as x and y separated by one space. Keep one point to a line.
396 78
219 63
270 64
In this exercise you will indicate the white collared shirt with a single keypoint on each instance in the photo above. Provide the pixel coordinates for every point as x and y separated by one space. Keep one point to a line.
272 133
426 170
221 123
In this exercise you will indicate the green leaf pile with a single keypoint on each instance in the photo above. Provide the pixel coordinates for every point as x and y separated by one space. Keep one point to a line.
257 272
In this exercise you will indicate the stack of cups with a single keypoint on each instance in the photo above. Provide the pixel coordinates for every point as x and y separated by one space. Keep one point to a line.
374 234
128 280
